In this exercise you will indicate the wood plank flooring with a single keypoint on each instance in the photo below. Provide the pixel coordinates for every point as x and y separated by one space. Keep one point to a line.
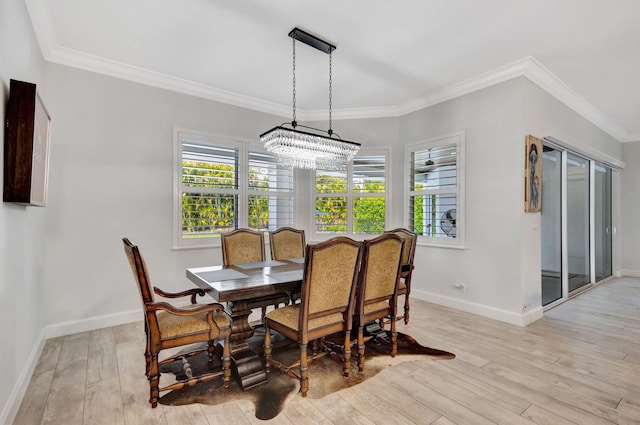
580 364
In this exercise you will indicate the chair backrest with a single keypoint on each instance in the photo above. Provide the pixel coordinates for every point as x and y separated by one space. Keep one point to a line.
286 242
139 269
380 270
242 246
329 282
409 246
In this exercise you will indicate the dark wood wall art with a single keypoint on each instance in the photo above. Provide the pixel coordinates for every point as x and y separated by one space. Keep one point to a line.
26 146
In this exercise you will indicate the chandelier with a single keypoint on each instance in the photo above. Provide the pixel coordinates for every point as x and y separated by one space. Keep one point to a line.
308 149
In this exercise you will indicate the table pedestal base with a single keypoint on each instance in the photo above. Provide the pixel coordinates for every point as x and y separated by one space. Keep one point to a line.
247 365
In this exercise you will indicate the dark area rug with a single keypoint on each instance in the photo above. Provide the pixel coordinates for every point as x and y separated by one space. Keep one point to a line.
325 376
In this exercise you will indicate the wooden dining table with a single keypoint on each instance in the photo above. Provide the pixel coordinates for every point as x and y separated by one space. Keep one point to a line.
244 287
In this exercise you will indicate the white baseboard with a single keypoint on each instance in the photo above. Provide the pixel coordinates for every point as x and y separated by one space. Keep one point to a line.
98 322
10 409
630 273
518 319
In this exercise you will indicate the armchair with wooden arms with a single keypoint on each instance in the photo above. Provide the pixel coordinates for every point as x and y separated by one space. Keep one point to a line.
407 267
326 307
167 327
378 284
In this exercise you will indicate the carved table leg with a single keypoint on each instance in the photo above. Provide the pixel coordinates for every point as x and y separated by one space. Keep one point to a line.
246 364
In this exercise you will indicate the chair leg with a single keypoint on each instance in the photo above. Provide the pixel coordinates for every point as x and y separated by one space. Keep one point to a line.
346 362
226 363
360 348
406 308
210 351
394 337
154 380
304 370
267 349
147 355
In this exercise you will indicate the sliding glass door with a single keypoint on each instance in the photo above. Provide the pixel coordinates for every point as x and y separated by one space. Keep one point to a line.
578 254
576 227
551 225
602 218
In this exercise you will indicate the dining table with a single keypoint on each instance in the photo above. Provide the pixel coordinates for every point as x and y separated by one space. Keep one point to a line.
243 287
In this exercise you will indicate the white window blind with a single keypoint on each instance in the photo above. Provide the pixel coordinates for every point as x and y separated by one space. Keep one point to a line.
435 188
352 201
209 189
222 185
270 193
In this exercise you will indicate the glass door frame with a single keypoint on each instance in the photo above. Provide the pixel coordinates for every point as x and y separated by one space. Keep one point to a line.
592 222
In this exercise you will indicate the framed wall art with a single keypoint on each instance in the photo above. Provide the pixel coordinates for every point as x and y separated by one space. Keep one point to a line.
26 146
533 174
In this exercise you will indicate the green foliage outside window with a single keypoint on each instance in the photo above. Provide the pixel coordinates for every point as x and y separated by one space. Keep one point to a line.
205 214
331 212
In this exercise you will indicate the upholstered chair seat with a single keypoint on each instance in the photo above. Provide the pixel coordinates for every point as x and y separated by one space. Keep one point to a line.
171 325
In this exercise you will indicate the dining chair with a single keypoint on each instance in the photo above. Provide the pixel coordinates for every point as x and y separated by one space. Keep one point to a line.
407 267
286 243
243 246
167 326
326 307
378 283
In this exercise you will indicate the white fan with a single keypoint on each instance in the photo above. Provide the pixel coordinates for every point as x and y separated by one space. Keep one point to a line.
448 223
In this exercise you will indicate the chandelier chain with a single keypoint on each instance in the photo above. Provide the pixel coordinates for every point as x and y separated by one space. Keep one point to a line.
294 82
330 92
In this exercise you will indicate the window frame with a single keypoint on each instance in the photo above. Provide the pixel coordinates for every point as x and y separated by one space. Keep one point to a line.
459 139
350 195
243 192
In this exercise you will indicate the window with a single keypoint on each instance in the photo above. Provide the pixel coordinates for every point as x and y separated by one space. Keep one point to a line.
436 180
354 201
270 193
223 185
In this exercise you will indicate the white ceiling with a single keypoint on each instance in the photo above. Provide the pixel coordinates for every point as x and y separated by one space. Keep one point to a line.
391 57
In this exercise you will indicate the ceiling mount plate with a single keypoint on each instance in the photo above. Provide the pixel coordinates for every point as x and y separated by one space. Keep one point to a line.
311 40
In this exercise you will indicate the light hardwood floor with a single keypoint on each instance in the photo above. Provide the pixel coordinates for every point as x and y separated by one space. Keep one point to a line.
580 364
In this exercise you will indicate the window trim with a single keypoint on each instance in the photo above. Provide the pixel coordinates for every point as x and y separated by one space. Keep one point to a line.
243 192
349 195
459 242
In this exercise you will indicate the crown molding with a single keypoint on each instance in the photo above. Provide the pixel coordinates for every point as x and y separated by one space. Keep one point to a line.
546 80
632 138
528 67
488 79
81 60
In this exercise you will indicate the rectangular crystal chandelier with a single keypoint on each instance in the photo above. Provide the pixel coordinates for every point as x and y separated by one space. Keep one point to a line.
307 150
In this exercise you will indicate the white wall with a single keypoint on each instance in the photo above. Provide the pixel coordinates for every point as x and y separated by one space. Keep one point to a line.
111 176
629 229
490 266
21 228
546 116
501 265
